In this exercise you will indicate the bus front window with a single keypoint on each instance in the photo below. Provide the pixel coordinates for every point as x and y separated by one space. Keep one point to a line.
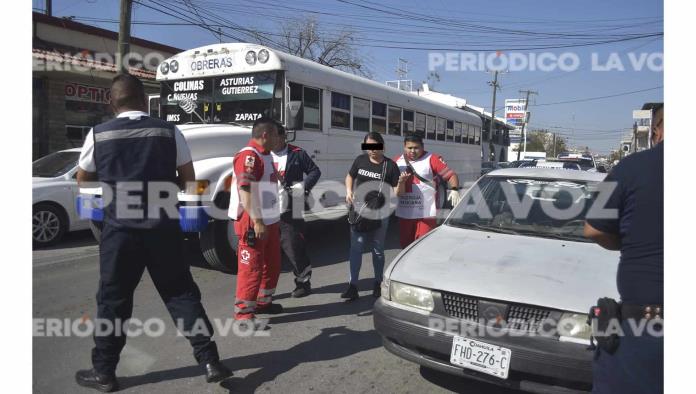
239 98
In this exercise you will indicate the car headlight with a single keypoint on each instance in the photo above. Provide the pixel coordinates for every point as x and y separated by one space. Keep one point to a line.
416 297
263 56
573 327
251 58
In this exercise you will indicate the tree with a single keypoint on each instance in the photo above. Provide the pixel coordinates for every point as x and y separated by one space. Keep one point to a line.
305 37
543 141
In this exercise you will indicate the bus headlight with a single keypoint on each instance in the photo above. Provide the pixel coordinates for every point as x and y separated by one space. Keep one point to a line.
413 296
263 56
573 327
174 66
164 68
251 58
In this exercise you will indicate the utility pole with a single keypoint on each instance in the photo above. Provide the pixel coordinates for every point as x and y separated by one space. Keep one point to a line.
526 120
554 145
49 7
124 36
495 86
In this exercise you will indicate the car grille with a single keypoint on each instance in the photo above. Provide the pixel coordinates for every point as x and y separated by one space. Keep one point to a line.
519 317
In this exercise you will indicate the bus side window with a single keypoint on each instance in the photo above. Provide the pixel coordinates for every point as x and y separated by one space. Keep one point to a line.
430 127
450 130
458 132
420 125
408 122
441 122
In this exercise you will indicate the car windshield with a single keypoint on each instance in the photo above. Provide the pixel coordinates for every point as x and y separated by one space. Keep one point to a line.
55 164
552 208
240 98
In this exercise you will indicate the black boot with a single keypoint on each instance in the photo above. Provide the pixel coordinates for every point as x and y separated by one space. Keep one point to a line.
351 293
93 379
302 290
215 371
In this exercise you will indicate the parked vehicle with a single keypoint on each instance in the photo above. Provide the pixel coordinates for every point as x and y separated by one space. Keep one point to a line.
499 296
54 189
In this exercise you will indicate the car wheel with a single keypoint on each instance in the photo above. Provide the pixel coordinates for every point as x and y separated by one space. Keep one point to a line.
219 245
49 223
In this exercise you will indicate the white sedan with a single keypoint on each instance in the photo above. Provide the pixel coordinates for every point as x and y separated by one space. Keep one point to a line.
501 291
54 189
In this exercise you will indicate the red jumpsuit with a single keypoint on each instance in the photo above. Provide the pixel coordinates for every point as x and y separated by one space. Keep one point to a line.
258 265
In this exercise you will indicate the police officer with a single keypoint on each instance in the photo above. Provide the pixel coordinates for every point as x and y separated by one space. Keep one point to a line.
292 163
636 365
134 147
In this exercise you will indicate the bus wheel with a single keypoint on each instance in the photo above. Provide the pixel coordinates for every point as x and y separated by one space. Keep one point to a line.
219 245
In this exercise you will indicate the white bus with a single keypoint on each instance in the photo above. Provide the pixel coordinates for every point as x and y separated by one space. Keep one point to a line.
214 93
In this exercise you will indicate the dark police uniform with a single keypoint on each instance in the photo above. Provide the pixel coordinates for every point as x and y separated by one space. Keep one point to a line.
137 148
637 365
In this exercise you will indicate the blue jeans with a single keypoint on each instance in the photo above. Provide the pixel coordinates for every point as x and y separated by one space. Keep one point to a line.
635 368
375 240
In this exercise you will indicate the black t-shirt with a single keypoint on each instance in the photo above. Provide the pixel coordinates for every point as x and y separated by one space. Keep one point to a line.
367 176
639 199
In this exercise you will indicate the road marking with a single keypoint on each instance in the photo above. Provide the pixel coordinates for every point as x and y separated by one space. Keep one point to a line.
64 260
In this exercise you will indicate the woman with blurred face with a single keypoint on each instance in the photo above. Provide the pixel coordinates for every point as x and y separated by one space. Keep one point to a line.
369 185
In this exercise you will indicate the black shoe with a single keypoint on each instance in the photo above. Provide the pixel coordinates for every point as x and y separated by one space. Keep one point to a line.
95 380
377 290
351 293
271 309
302 290
215 371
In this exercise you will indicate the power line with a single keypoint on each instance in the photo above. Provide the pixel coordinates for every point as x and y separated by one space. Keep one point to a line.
599 97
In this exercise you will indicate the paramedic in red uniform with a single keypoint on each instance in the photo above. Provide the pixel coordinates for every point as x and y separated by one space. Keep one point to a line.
256 213
417 206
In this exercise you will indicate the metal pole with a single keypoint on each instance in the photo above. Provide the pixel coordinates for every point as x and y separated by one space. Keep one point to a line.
492 122
124 36
526 120
49 7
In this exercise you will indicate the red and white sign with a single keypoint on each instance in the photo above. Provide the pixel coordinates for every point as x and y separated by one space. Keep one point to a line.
93 94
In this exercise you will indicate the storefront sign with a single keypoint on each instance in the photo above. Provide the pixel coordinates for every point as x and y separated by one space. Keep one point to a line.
92 94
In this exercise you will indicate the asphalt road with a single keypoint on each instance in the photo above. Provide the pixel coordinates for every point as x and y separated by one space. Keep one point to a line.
319 345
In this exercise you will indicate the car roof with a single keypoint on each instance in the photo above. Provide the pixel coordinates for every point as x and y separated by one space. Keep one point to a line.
72 150
550 173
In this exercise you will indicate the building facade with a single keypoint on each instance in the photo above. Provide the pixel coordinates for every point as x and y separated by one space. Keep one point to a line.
73 65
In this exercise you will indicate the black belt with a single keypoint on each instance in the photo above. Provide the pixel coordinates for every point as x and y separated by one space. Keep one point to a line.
644 311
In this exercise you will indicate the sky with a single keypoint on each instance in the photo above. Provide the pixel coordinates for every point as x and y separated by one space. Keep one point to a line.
385 31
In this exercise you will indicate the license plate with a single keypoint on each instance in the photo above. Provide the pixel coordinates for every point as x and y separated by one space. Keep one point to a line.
480 356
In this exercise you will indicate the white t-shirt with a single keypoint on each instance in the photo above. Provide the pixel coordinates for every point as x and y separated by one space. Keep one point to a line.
86 162
280 159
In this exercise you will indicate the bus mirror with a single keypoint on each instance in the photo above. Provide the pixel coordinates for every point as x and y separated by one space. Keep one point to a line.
292 121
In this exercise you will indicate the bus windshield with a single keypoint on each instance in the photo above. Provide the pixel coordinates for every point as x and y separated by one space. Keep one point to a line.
240 98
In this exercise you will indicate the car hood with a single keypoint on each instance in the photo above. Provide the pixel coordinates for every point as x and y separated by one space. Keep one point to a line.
529 270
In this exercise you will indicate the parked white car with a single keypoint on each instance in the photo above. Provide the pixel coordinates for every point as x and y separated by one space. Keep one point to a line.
54 189
503 297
